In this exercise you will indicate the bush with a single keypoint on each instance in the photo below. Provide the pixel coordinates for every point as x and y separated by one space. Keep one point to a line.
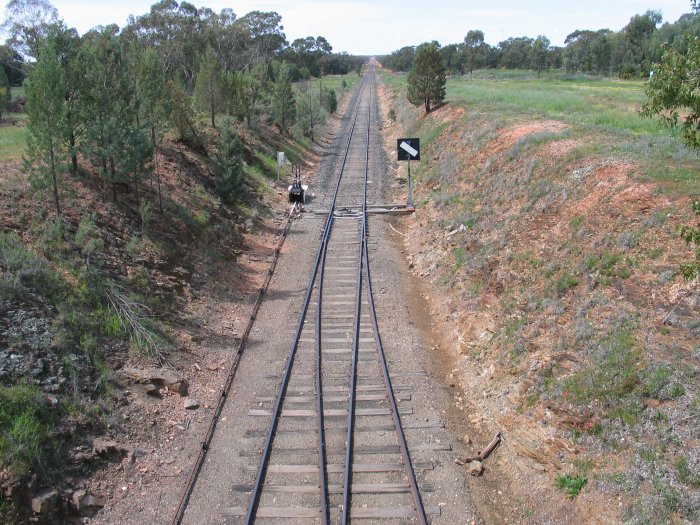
572 485
25 422
330 102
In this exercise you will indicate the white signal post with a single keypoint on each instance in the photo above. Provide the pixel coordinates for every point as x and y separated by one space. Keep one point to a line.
280 163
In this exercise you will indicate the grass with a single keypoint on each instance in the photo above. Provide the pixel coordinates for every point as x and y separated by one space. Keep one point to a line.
605 111
25 423
12 142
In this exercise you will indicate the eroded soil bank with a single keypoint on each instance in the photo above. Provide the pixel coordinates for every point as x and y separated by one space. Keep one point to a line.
556 315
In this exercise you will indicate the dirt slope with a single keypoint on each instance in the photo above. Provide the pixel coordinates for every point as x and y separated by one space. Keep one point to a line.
559 317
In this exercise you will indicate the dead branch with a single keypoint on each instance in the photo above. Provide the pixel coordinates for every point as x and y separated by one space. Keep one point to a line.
481 456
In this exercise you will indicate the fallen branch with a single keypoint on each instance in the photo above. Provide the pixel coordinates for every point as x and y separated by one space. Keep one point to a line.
481 456
397 231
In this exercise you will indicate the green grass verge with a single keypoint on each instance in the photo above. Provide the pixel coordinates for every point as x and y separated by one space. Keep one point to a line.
12 142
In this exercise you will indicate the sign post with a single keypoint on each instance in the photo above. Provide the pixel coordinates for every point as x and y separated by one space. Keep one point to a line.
408 149
280 163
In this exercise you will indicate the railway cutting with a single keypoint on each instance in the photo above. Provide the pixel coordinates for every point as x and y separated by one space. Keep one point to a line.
320 424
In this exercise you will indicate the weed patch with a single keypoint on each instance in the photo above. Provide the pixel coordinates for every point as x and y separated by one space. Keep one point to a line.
572 485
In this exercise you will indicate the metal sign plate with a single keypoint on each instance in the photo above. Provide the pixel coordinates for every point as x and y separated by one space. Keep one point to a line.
408 149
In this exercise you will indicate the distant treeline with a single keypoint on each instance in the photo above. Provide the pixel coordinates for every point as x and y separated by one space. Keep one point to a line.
628 53
181 34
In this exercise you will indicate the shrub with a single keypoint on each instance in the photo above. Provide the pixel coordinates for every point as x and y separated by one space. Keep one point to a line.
572 485
25 422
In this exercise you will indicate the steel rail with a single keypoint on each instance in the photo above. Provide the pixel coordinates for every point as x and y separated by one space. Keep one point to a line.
405 454
320 420
349 440
260 475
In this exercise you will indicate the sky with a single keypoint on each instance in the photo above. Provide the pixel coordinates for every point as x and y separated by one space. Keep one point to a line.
378 27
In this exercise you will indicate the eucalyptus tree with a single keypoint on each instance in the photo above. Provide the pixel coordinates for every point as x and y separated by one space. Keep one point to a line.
27 22
473 43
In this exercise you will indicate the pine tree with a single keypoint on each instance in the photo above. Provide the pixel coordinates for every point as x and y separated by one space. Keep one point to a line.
154 104
47 156
208 86
227 164
284 106
426 80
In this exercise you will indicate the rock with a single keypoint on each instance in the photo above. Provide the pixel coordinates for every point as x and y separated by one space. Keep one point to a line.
155 379
475 468
191 404
86 504
110 449
46 502
466 439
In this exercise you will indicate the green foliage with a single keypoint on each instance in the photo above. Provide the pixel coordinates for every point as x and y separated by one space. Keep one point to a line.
114 141
330 102
227 165
208 90
613 375
47 156
564 282
5 94
572 485
691 236
426 80
310 114
24 269
25 422
686 474
674 87
182 114
284 108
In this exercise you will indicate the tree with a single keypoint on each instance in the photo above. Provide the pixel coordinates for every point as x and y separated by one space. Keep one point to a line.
330 101
5 96
13 64
310 114
515 52
182 114
26 21
153 99
400 60
472 45
46 153
114 140
227 164
283 102
426 80
538 54
674 86
208 89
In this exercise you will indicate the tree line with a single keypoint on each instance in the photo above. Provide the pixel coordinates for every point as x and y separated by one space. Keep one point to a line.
628 53
109 96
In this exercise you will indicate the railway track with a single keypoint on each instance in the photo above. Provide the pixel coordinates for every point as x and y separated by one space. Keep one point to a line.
335 448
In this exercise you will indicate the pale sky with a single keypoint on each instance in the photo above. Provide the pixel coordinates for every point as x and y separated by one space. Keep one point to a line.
378 27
